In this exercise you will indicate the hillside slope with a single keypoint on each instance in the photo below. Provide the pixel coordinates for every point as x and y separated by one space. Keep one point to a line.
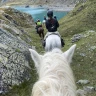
17 35
81 19
79 27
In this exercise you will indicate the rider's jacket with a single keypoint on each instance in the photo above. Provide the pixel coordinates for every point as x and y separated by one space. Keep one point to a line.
52 25
39 23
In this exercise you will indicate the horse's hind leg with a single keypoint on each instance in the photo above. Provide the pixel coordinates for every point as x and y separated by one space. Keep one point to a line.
43 35
40 35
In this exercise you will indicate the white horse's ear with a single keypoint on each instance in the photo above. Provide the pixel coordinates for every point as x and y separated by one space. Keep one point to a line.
69 53
36 57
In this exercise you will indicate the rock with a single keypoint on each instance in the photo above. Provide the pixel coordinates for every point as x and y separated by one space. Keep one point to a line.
14 66
89 89
81 92
27 6
93 47
83 54
76 37
83 82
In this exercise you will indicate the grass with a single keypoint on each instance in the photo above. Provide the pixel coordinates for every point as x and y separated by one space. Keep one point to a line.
80 22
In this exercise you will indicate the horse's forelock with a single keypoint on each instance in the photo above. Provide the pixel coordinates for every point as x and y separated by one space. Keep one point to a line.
56 50
52 53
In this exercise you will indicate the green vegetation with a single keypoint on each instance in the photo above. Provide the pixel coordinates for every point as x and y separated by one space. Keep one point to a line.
82 18
18 18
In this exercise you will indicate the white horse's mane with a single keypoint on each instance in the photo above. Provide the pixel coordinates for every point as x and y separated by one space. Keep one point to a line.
55 75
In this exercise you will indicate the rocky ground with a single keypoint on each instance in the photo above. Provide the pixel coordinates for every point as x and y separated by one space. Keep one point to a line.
14 62
56 7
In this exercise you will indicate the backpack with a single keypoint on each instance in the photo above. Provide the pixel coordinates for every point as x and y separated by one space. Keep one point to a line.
52 22
52 25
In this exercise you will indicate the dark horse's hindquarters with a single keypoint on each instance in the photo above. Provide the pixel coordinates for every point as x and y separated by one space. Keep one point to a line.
41 32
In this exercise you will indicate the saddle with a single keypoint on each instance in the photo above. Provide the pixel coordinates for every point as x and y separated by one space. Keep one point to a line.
51 33
40 28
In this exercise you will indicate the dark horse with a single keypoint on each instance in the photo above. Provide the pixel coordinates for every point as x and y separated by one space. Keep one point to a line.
41 32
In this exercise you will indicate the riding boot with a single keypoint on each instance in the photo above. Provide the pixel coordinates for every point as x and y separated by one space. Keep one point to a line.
43 43
62 42
37 30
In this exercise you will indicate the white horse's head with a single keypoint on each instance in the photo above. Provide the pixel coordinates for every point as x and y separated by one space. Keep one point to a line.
55 75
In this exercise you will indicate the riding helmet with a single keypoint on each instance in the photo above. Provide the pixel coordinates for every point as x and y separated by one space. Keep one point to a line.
38 20
50 13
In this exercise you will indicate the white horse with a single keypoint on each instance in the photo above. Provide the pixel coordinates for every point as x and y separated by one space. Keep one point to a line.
53 40
55 75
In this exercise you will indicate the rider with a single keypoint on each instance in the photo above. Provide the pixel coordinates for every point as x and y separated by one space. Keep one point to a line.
44 17
52 25
44 20
38 24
